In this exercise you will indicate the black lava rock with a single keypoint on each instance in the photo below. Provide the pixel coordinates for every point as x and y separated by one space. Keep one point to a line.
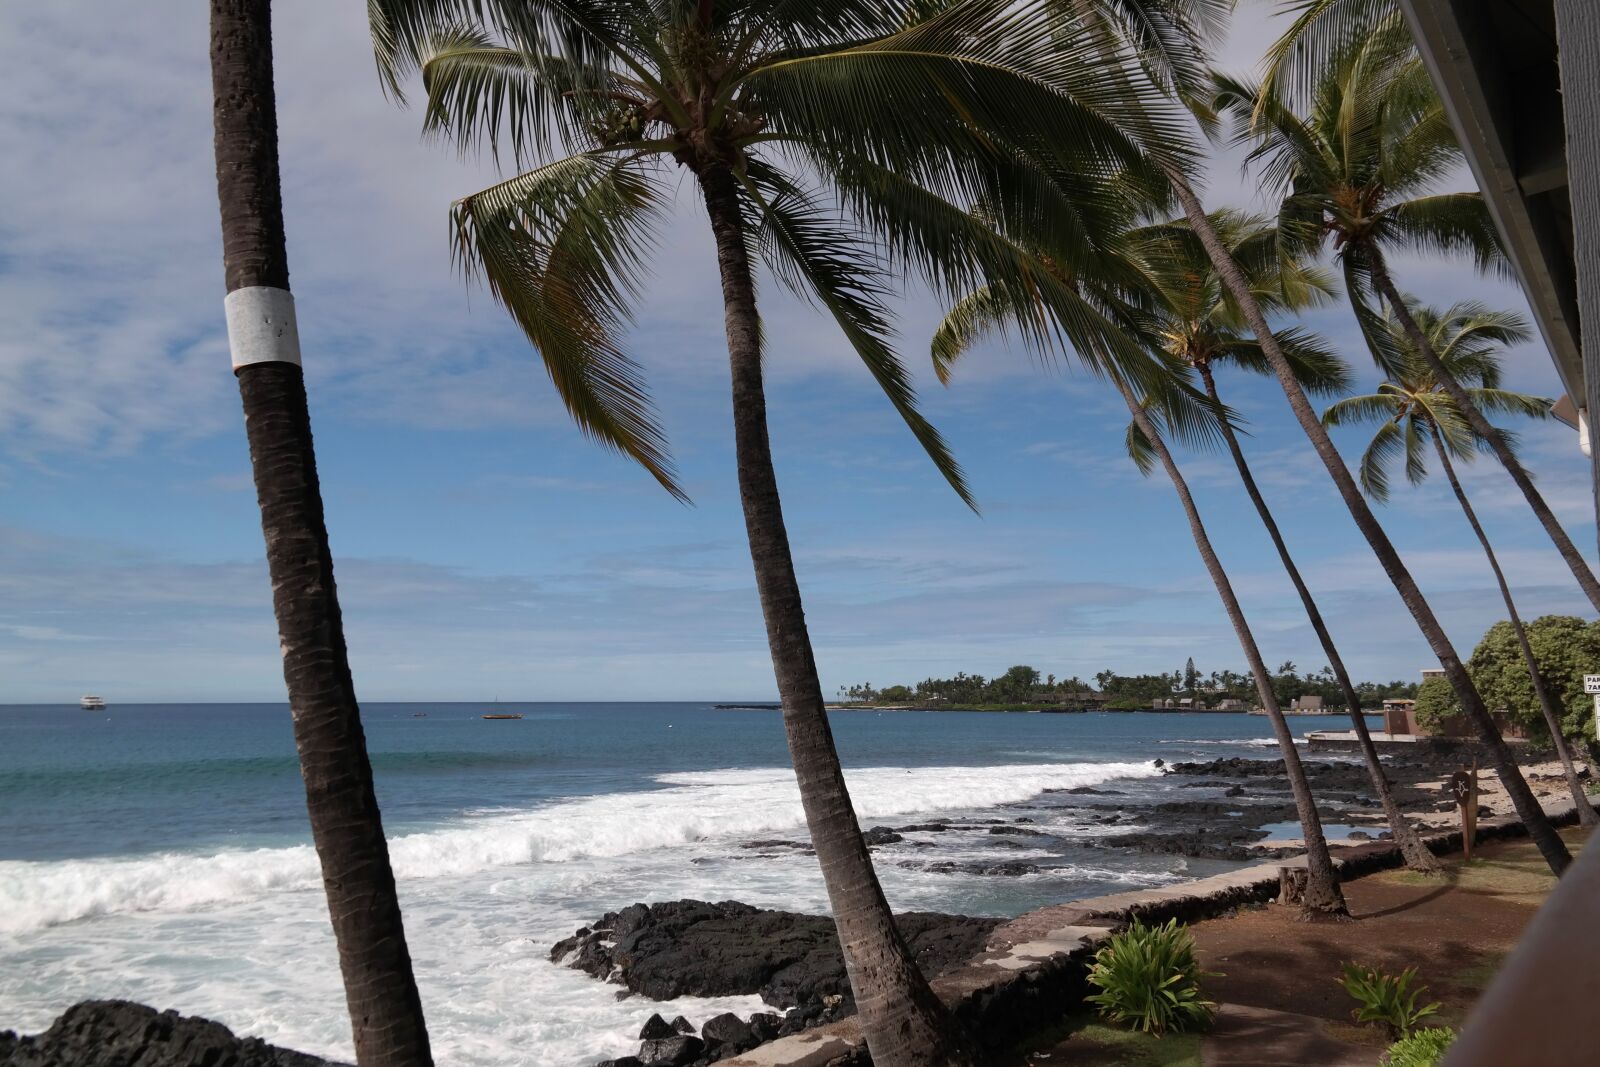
655 1027
728 1032
678 1051
694 948
118 1033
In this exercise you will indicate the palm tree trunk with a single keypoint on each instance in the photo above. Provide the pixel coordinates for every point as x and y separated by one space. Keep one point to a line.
1552 719
1486 430
1549 843
904 1023
385 1010
1416 854
1323 896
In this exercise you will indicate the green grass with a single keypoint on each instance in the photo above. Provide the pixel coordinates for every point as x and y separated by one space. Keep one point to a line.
1083 1041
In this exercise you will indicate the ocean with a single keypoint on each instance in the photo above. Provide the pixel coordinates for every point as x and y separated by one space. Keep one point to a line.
160 853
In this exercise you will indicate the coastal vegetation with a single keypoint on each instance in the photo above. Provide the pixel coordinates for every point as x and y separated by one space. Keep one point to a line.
1147 978
1332 166
830 138
1023 686
1414 410
1032 165
1565 647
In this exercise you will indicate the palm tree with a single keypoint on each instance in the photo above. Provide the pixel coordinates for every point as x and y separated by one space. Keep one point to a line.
1413 409
1202 326
1233 277
385 1010
997 307
836 139
1323 896
1357 170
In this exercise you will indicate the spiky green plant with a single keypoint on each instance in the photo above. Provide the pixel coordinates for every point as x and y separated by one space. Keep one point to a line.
1387 999
1148 978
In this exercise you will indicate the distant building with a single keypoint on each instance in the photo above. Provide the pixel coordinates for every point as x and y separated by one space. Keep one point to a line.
1232 704
1309 704
1432 672
1400 716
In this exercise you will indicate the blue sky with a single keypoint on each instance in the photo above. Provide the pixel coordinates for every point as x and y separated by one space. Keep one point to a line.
484 548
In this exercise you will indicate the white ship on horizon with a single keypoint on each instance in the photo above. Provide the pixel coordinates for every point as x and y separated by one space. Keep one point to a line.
92 703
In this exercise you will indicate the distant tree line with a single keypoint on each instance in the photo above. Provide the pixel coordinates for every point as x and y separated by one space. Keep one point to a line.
1565 648
1023 684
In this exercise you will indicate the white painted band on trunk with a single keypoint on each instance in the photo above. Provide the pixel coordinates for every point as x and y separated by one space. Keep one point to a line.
261 326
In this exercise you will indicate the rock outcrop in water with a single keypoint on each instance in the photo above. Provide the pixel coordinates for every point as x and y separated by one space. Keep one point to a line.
119 1033
694 948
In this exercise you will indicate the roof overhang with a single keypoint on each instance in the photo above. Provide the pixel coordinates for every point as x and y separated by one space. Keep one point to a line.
1494 64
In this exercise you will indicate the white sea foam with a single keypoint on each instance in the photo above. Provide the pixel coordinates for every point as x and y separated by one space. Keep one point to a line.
1244 742
690 808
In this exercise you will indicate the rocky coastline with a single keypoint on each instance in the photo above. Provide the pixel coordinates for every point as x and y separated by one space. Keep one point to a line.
119 1033
1220 811
792 961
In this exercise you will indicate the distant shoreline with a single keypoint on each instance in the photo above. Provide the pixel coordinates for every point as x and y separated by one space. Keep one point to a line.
1033 709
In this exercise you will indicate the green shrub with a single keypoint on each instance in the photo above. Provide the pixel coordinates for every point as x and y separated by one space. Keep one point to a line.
1420 1048
1148 978
1386 998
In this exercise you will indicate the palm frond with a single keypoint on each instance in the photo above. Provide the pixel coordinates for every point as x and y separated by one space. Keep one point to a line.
817 257
1321 30
561 248
983 311
1373 471
587 33
1447 224
1357 409
977 75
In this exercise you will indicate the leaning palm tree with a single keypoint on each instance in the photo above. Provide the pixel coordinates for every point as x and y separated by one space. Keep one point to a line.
837 140
1323 897
1413 411
1119 288
1357 170
380 990
1540 830
1201 325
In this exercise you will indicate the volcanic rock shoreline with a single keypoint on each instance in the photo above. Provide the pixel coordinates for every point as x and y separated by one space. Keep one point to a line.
119 1033
792 961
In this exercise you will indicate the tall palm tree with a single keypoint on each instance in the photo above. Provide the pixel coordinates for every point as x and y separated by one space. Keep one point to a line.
385 1010
1323 896
1413 410
1542 833
1356 170
836 139
1118 290
1202 325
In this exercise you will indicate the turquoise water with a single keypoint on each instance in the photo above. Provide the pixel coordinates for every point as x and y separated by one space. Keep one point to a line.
161 852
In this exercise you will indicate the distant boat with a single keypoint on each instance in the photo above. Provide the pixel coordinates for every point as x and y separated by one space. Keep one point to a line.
92 703
502 716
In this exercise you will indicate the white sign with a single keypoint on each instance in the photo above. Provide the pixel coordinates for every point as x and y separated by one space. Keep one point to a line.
1591 683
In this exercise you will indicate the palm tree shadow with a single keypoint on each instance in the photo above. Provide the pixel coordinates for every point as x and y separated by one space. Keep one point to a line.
1449 882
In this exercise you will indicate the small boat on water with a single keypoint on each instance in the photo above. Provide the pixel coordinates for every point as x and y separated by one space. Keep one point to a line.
92 703
502 716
